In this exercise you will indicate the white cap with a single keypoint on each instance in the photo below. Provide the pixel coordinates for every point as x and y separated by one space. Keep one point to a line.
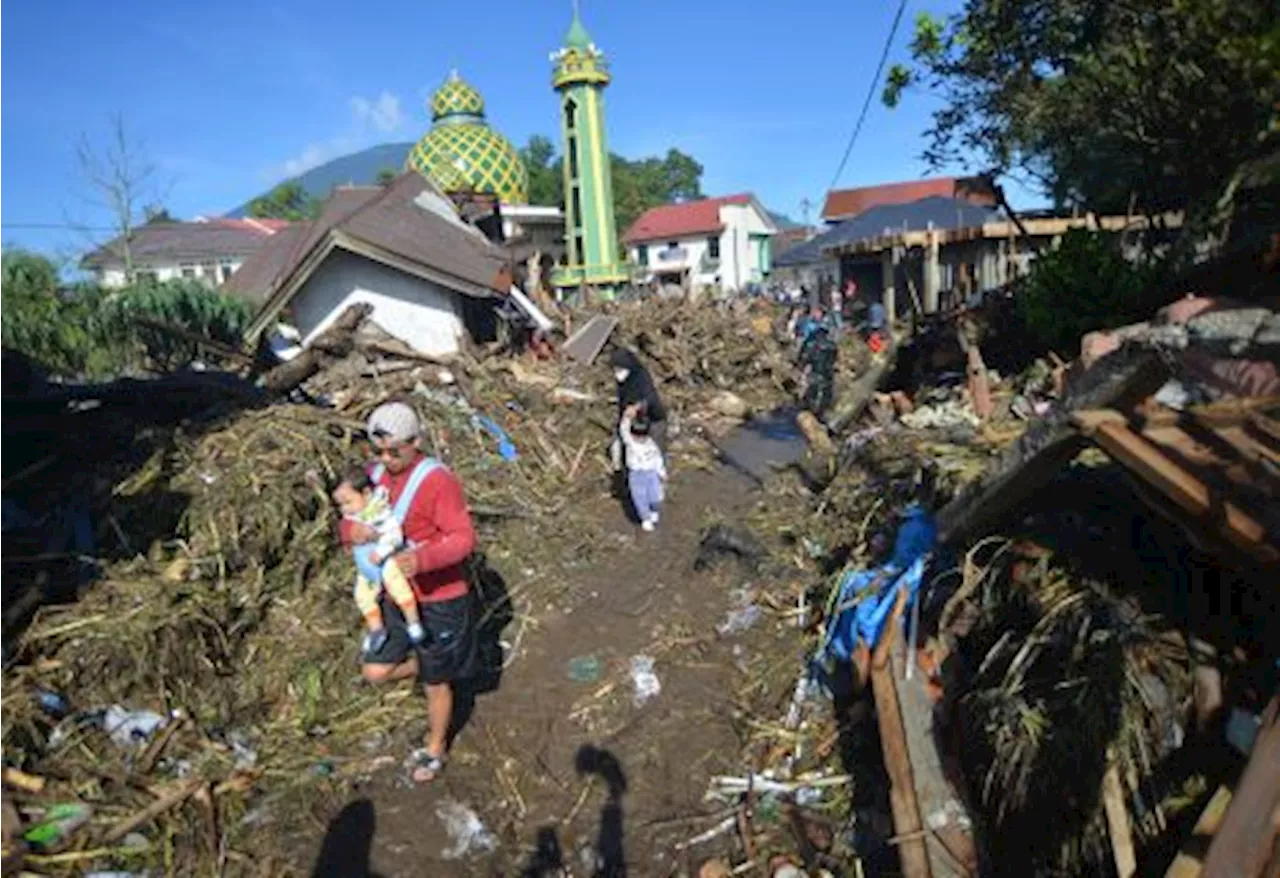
395 421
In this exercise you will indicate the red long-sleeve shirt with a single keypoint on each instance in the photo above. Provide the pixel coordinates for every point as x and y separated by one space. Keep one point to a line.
438 526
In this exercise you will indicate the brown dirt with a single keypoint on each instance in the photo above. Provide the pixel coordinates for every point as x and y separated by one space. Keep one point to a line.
516 762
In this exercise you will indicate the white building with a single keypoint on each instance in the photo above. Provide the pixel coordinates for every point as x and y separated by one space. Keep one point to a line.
208 250
432 279
715 241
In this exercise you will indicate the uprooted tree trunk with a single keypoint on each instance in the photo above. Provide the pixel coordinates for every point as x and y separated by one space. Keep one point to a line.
331 345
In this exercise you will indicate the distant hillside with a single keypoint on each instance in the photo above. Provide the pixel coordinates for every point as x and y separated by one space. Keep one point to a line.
358 169
783 221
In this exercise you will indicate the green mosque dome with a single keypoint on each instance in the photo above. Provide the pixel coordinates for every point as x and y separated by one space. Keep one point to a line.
462 153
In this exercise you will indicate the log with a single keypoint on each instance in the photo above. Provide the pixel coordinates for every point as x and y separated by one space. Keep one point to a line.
1245 843
815 433
897 761
333 344
851 405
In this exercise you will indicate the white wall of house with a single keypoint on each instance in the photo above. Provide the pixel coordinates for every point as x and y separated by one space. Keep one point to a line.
211 272
740 261
421 313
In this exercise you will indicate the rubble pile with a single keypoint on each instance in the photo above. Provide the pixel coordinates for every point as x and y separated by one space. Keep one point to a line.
231 639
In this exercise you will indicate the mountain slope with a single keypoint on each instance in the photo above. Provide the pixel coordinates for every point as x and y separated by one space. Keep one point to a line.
356 169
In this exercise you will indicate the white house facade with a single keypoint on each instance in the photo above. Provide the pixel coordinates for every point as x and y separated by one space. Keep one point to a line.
206 250
415 310
723 242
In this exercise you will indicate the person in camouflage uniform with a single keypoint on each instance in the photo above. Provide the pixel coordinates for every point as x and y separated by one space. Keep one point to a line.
818 357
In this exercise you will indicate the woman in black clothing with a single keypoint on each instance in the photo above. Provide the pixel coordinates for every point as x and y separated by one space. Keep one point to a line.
635 386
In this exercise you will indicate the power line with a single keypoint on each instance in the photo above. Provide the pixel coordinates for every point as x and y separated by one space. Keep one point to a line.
871 91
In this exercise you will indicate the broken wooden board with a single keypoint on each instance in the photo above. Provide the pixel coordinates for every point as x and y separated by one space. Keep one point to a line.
1048 445
585 344
1190 859
947 821
907 826
1211 492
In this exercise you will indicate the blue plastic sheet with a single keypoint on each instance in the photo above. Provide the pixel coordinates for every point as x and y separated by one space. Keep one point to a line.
866 597
506 448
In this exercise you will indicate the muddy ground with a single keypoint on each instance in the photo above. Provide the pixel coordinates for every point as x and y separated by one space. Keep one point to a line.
571 771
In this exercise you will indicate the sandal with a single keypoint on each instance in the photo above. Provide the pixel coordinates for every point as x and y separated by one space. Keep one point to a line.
424 767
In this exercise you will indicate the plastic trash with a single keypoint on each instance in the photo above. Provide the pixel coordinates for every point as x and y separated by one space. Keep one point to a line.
53 703
738 620
644 679
584 669
506 448
130 728
467 833
58 824
246 756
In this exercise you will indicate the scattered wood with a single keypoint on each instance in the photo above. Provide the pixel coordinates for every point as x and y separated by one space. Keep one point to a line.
20 780
333 344
170 799
1118 824
815 434
1190 859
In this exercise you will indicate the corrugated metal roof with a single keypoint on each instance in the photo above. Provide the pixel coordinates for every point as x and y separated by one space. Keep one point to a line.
846 203
943 213
182 241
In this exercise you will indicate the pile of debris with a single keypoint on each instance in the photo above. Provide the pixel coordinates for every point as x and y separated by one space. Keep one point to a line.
203 684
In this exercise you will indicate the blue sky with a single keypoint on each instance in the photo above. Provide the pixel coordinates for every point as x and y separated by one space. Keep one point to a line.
229 98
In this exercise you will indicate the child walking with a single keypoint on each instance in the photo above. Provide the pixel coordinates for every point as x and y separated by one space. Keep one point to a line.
360 501
646 470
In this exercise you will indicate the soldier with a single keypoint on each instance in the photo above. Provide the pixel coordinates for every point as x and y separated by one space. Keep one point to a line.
818 358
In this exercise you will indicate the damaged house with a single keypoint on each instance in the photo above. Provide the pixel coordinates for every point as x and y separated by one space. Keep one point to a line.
432 280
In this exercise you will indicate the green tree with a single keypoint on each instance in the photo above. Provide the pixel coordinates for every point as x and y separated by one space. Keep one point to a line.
546 185
287 201
638 184
644 183
387 176
1108 105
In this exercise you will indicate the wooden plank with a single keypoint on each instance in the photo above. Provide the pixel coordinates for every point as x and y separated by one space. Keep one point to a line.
585 344
1190 859
1188 492
1245 843
948 822
897 761
1118 824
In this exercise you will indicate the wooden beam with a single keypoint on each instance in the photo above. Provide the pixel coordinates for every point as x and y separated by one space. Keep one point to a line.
897 761
1190 859
1118 824
1111 432
1245 844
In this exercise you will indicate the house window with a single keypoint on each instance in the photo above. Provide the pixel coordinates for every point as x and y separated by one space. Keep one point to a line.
227 270
576 216
642 254
713 247
573 158
187 271
209 271
671 245
570 114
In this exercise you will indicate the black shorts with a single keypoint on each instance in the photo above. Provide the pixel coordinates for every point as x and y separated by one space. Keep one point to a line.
448 652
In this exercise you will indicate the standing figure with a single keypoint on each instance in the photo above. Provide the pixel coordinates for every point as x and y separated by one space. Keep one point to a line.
646 470
818 357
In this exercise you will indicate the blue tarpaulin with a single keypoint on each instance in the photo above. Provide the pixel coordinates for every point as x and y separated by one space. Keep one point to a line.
866 597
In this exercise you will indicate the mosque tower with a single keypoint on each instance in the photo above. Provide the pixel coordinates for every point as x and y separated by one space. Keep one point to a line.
591 237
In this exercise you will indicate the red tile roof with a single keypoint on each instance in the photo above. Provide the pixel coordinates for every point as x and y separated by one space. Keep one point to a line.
846 203
681 220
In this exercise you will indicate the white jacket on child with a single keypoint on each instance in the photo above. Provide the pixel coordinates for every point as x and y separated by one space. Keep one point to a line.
642 452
